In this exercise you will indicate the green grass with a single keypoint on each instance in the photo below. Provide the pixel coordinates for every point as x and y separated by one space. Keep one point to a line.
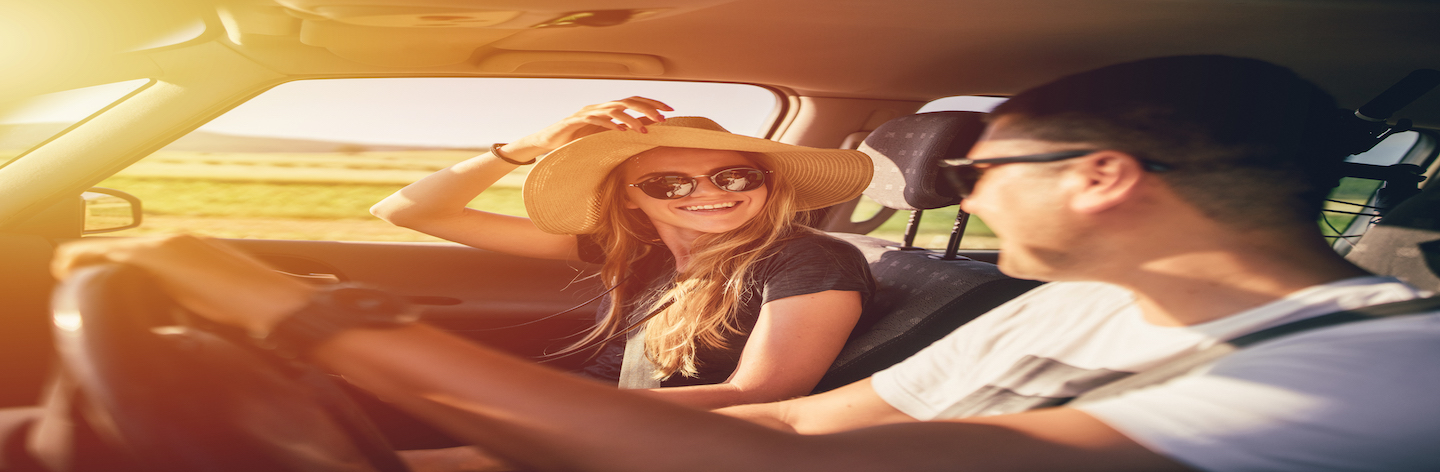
935 226
1350 190
315 196
212 198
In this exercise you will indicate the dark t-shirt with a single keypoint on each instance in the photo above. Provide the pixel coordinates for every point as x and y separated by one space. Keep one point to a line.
809 263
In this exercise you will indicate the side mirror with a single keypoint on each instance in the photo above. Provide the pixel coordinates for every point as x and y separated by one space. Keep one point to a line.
108 210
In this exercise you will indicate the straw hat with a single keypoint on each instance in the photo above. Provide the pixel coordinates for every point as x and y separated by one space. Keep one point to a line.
561 193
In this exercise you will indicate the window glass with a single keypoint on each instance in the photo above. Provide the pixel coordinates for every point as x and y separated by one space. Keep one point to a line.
935 225
307 159
963 103
28 122
1346 212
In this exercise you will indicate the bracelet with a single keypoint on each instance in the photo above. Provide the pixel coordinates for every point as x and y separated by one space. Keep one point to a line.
495 150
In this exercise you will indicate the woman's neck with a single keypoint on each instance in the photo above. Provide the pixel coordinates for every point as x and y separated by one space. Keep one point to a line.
680 243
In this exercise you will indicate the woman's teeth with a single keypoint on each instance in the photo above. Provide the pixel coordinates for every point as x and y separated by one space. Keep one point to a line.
715 206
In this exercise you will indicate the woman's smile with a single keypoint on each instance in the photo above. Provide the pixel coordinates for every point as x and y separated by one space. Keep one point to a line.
711 207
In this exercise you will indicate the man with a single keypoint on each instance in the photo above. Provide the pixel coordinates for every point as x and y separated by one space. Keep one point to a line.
1172 200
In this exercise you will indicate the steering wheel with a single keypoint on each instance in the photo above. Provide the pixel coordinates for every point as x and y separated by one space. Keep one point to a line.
179 395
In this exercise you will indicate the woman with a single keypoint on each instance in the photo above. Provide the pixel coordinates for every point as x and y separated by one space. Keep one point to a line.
696 233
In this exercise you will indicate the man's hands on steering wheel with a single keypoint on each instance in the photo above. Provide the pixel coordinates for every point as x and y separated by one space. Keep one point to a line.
204 276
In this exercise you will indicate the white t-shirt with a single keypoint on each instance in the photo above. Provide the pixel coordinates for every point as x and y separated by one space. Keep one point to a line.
1362 396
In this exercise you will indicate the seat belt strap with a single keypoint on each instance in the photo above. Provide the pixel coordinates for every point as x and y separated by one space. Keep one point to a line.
1185 364
636 370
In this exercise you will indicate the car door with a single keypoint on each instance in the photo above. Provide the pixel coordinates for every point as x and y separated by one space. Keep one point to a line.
490 297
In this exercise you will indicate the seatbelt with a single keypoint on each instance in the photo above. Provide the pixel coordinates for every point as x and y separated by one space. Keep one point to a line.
636 370
1185 364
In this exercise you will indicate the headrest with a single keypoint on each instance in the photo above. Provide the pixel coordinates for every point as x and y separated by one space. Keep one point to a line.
907 152
1406 242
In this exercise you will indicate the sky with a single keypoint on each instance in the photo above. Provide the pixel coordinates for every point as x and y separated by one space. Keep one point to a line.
447 112
450 112
471 112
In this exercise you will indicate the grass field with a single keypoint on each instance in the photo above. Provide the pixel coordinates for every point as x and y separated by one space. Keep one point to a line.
327 196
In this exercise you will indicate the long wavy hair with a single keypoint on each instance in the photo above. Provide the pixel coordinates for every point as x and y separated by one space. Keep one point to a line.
700 310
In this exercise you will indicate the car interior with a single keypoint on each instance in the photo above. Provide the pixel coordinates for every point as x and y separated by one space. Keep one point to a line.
843 74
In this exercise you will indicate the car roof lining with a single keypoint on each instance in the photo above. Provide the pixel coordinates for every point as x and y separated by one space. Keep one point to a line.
912 50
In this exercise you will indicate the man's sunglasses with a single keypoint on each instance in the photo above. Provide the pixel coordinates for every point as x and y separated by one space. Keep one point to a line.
963 173
730 179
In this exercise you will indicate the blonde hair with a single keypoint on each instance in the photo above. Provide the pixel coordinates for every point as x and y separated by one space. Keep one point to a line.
701 309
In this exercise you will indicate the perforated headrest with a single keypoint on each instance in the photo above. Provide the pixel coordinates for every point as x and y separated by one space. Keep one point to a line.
907 152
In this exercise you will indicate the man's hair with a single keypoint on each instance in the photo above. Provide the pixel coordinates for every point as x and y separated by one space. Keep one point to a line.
1249 143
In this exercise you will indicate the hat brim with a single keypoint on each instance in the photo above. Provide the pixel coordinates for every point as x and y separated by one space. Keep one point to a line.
561 194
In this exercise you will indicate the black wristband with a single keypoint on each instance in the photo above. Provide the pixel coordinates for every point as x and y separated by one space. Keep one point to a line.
495 151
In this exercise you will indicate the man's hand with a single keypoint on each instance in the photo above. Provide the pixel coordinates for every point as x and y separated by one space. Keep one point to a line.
203 275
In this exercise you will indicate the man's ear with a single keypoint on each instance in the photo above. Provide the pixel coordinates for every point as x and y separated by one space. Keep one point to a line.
1109 179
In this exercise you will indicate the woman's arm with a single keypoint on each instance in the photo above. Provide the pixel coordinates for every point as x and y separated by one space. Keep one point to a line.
435 205
793 343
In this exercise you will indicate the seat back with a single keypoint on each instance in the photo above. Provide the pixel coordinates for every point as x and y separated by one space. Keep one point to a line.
919 297
1406 242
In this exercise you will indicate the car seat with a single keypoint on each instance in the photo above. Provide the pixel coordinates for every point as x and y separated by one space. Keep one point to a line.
921 295
1406 242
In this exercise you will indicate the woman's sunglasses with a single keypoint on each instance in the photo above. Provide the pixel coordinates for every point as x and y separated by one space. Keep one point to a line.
730 179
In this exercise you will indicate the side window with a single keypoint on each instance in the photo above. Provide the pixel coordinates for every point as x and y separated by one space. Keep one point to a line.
306 159
935 225
1349 212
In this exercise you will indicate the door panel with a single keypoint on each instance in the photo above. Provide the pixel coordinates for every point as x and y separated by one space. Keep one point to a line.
26 347
477 294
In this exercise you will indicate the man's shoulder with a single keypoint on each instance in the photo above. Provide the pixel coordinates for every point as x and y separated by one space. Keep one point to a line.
1319 397
1081 292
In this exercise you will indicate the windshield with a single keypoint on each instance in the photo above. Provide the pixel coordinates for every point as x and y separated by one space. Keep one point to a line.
27 122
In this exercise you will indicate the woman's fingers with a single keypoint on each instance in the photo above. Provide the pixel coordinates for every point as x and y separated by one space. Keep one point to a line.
649 107
627 121
606 122
619 111
617 115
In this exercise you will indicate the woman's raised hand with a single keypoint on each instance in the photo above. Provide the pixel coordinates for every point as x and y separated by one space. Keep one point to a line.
596 118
